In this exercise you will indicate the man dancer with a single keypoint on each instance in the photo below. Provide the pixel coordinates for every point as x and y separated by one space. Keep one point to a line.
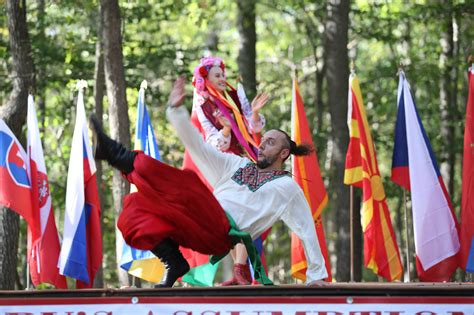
173 208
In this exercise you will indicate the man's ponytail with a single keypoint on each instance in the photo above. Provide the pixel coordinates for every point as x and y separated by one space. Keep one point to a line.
300 150
297 149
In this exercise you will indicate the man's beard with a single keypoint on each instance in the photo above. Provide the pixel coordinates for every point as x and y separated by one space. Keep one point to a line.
264 163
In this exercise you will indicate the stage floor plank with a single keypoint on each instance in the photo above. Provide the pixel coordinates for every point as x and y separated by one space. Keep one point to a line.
331 289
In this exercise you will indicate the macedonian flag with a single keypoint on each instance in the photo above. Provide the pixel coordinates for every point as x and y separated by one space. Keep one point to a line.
381 252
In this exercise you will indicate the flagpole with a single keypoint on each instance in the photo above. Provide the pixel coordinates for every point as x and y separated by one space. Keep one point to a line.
351 211
407 236
351 225
405 208
27 272
469 277
30 92
144 86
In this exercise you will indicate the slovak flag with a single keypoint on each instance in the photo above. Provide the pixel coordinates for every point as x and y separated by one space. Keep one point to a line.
15 188
81 251
414 168
43 238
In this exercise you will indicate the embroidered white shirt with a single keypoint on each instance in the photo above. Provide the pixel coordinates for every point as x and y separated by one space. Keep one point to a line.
253 211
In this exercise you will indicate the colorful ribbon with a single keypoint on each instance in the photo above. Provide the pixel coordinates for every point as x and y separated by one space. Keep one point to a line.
238 236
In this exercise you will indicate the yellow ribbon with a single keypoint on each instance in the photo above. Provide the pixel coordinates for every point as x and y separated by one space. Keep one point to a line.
229 103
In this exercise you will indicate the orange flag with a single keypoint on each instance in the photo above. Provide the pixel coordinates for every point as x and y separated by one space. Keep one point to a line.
381 252
306 173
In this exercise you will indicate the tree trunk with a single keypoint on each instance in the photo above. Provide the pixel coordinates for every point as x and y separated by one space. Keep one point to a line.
212 41
14 114
118 109
447 87
247 49
99 91
41 69
337 74
319 77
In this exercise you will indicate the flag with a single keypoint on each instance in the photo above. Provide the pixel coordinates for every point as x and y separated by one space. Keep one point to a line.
381 252
202 272
467 204
15 188
43 239
307 174
81 251
139 263
414 167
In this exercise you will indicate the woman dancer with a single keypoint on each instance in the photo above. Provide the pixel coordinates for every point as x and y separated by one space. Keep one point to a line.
229 123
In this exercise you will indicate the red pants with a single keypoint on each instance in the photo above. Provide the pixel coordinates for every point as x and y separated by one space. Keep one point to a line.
172 203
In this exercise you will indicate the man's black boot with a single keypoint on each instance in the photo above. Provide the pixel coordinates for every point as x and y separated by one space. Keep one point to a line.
110 150
176 265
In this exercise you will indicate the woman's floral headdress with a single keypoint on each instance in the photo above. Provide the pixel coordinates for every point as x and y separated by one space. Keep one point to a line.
201 72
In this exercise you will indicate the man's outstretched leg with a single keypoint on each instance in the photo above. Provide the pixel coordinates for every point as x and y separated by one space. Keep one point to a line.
110 150
121 158
176 265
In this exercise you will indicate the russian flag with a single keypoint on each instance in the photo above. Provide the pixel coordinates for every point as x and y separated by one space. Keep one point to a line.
81 251
43 239
414 167
140 263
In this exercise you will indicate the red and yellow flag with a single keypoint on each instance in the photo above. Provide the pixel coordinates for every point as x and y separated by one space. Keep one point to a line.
306 173
381 252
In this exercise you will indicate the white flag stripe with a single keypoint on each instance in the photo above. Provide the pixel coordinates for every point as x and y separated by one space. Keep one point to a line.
140 113
35 150
349 102
435 231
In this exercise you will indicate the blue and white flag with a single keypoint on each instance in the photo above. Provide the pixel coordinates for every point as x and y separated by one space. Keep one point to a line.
139 263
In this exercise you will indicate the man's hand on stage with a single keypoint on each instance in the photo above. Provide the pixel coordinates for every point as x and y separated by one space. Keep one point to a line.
317 283
177 94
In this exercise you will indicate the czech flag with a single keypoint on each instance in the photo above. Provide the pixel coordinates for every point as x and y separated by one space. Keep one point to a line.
81 251
414 168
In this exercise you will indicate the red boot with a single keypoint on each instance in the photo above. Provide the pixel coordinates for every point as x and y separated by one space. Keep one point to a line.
241 276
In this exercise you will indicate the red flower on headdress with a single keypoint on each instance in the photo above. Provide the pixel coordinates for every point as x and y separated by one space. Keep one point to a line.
222 66
203 71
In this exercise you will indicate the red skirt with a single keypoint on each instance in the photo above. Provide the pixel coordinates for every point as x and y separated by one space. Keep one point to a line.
172 203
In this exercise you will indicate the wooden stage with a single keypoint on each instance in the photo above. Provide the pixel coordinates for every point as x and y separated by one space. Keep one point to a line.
330 299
